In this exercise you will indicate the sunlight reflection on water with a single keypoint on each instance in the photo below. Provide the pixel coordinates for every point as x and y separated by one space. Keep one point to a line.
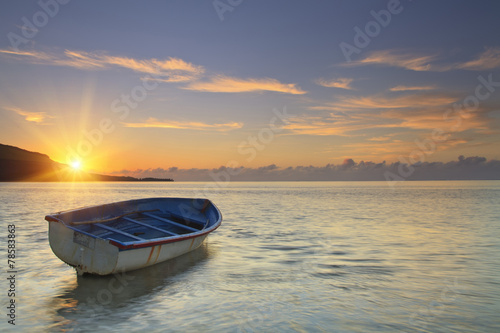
343 257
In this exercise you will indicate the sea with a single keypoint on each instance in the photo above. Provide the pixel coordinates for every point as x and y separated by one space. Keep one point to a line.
289 257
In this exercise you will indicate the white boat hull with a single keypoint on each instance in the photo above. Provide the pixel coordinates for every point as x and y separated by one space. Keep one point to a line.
100 257
90 254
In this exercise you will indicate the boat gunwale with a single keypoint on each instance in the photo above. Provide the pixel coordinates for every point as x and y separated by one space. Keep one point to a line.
139 244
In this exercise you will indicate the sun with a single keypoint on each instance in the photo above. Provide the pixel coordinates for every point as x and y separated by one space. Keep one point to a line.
76 165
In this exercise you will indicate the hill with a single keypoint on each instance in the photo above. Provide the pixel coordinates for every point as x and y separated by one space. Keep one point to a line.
17 164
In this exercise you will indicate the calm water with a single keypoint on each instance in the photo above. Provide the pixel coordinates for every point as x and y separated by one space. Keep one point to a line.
296 257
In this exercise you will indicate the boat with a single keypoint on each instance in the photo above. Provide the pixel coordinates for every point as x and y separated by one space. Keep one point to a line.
128 235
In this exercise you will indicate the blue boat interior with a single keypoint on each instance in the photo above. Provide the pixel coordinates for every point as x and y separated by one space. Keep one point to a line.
142 226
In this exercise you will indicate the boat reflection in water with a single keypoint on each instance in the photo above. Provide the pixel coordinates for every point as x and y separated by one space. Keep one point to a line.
92 301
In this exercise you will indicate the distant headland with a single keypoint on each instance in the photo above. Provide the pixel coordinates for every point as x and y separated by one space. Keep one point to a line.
18 165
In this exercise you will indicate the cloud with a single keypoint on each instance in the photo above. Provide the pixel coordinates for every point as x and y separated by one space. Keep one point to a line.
155 123
36 117
314 125
380 138
389 150
489 59
158 67
432 118
343 83
412 88
424 119
382 102
396 149
227 84
396 58
337 124
162 70
170 69
81 60
32 54
425 111
473 167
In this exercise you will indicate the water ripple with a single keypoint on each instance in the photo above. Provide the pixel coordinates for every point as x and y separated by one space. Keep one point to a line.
310 257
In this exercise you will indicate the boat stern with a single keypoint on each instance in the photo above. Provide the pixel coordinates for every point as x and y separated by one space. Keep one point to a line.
87 254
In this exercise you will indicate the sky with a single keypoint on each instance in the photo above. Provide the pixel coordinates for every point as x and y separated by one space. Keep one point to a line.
159 88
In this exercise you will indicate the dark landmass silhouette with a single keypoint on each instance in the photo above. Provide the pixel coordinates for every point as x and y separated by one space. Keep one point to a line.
17 165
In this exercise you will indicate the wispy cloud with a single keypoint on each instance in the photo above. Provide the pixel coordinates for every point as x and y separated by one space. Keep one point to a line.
343 83
412 88
227 84
36 117
431 118
24 53
170 69
396 58
393 149
380 138
174 69
350 116
383 102
489 59
155 123
336 124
